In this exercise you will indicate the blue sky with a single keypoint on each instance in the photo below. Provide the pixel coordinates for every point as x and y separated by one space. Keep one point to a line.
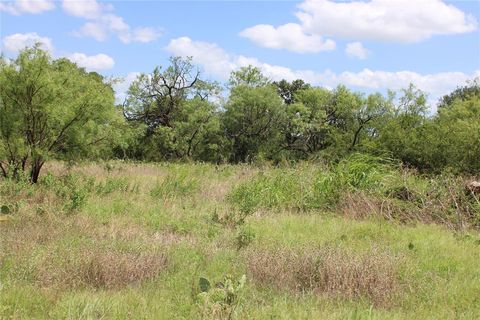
367 45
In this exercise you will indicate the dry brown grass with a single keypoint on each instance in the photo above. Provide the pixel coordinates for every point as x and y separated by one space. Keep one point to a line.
39 247
327 271
454 209
359 205
99 269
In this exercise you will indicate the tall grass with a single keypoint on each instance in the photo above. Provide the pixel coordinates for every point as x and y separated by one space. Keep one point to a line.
361 186
131 240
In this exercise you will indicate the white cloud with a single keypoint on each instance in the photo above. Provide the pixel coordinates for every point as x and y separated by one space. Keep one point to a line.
27 6
88 9
356 50
102 23
145 34
93 30
403 21
18 41
217 62
289 36
399 21
213 58
435 84
92 63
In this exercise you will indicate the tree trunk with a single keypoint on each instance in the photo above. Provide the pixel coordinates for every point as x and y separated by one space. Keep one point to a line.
35 170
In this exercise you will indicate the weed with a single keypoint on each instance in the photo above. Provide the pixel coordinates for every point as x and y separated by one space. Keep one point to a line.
244 237
219 301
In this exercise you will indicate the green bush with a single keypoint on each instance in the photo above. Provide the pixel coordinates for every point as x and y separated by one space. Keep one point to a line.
280 188
244 237
175 185
73 188
304 189
219 301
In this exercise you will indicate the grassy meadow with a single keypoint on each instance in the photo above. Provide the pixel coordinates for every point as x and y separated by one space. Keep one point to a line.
363 239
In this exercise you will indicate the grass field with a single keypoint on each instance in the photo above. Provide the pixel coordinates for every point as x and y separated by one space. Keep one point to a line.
189 241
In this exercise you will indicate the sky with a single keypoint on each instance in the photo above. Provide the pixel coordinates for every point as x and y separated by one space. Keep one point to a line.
369 45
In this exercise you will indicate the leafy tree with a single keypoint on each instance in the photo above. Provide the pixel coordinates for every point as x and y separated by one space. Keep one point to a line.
461 93
155 98
252 119
403 132
457 135
51 109
367 115
306 130
249 76
174 106
288 90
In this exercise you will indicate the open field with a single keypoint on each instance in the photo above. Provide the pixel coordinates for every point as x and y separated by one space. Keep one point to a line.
362 240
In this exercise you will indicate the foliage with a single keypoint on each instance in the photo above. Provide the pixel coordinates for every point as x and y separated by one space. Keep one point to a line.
173 105
220 301
51 109
252 120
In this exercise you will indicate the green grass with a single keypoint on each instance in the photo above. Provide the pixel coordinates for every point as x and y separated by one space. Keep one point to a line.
76 218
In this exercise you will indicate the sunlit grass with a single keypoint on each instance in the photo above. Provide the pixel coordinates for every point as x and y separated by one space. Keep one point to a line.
122 241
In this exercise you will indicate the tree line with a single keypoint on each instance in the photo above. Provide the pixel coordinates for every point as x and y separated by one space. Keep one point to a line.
52 109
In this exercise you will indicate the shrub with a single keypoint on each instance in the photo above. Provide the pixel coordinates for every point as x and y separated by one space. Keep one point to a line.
244 237
73 188
219 301
280 188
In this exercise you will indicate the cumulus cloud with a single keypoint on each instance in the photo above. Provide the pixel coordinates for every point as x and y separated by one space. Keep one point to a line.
356 50
93 30
27 6
97 62
88 9
289 36
102 23
217 62
400 21
142 34
18 41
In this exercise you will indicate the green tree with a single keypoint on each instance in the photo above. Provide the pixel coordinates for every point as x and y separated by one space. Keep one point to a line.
457 135
287 90
306 130
471 89
249 76
252 118
51 109
173 104
404 130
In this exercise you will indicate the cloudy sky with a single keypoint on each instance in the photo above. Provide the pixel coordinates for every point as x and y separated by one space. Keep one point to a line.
367 45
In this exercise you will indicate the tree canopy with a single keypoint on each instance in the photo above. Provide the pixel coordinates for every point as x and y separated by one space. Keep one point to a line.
52 109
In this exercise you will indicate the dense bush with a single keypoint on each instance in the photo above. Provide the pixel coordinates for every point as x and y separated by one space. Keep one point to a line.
360 186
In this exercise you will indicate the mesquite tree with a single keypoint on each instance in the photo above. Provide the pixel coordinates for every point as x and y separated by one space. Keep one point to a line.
50 109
